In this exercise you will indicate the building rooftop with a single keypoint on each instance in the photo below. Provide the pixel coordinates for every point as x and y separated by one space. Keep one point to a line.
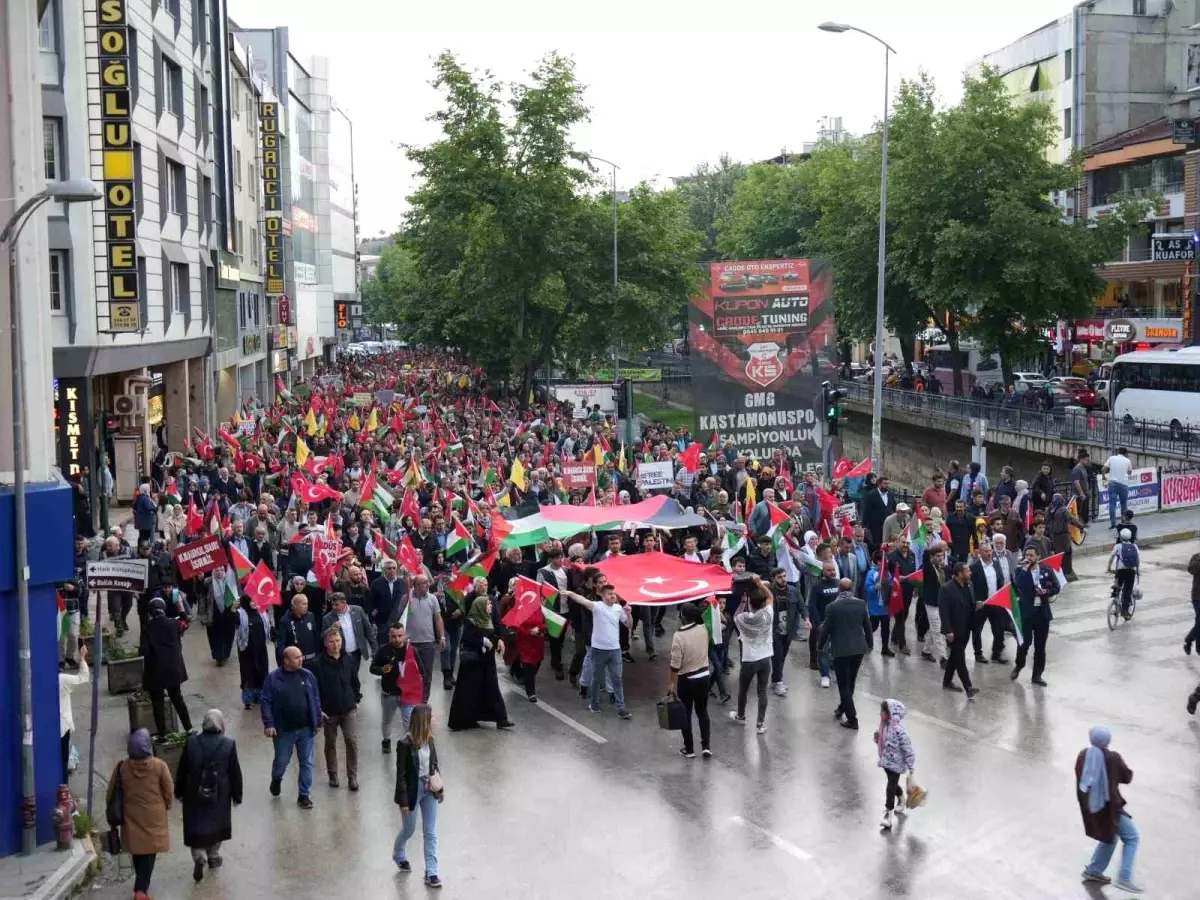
1157 130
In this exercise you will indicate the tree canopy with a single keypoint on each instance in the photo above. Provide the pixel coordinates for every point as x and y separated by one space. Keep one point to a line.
507 247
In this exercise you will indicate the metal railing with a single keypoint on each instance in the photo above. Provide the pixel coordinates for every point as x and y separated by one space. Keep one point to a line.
1137 312
1080 426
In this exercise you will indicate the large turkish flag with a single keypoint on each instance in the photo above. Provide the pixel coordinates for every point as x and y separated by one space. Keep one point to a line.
659 579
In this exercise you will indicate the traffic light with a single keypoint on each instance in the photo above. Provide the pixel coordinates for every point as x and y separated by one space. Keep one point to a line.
832 406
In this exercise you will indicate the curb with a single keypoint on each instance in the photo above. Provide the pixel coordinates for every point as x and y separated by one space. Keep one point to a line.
1170 537
70 875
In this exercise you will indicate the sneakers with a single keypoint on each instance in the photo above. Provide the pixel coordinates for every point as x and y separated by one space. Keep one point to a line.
927 656
653 656
433 881
706 753
1128 886
1039 681
761 728
304 802
981 659
1193 701
952 687
886 822
594 709
628 657
686 753
852 724
887 652
824 681
736 719
386 745
971 692
780 689
275 785
1097 877
532 698
404 865
624 714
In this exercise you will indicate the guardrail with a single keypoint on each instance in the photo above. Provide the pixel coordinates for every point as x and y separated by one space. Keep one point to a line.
1080 426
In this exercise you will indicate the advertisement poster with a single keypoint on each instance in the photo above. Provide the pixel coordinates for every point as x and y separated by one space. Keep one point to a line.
1180 489
585 396
1143 491
762 341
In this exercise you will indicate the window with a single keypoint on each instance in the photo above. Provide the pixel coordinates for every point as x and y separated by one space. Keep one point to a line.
242 310
1068 70
1139 7
206 198
236 99
254 247
176 188
47 33
202 114
240 245
180 301
1067 131
52 148
251 175
58 275
250 105
171 86
172 8
237 168
138 189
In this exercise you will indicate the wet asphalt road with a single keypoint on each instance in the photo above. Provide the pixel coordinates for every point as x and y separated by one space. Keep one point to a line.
587 804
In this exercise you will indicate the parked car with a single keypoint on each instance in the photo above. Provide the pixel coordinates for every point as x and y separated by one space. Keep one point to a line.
733 281
1101 388
1035 378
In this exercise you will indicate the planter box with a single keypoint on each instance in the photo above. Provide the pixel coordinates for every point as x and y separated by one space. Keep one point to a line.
170 754
124 675
141 714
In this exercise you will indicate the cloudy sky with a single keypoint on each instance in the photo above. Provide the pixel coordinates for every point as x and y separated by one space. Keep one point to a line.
670 83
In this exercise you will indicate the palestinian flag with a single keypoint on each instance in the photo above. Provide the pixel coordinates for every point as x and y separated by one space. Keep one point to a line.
1055 564
555 624
458 586
174 498
714 442
490 476
1007 600
481 566
712 617
735 542
281 391
242 566
64 619
229 594
380 502
778 523
459 538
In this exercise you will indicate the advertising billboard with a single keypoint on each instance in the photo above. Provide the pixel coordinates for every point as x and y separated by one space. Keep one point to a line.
762 341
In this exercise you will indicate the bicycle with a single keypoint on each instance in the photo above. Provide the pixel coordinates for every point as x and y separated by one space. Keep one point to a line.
1115 616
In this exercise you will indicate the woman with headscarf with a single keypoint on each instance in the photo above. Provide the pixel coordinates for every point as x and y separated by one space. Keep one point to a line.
477 690
176 527
1099 774
146 790
220 623
163 668
1023 505
254 630
896 756
1059 520
209 780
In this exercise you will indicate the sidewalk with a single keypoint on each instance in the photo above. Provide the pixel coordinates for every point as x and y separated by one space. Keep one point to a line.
1153 529
48 874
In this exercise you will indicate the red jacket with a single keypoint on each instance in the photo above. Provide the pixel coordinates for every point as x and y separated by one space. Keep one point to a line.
531 648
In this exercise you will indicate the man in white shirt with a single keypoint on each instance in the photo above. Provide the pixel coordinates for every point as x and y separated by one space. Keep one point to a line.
607 618
555 574
1118 469
691 554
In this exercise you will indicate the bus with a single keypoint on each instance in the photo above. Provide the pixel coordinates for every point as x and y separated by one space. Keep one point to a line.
1159 386
976 365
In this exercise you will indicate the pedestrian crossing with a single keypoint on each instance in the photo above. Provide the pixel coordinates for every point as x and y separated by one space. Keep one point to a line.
1086 618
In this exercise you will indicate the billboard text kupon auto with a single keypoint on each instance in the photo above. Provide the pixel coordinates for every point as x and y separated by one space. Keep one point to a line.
762 341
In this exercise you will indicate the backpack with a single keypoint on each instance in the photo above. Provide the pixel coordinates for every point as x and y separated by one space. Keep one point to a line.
208 784
1129 555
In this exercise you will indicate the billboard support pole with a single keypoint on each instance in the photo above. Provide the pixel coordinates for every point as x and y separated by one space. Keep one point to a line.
877 395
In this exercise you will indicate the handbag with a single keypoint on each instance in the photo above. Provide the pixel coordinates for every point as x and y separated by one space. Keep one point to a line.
436 784
114 809
671 714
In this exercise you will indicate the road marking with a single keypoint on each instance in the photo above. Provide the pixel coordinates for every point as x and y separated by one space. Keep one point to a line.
774 839
925 717
561 716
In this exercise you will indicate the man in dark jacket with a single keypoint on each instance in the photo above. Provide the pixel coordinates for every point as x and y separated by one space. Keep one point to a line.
763 562
824 590
260 548
339 690
158 578
291 714
1035 585
847 630
957 608
961 527
298 628
162 665
987 577
386 598
877 506
901 562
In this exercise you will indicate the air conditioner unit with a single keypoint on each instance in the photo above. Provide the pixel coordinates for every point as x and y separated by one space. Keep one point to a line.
129 404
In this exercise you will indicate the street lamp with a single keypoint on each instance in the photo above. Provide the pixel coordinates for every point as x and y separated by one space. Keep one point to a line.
616 355
877 399
76 191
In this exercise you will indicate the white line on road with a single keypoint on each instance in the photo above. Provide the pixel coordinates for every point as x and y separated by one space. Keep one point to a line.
786 846
561 716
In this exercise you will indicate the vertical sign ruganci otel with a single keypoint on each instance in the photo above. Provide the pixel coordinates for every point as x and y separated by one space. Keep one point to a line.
272 199
116 129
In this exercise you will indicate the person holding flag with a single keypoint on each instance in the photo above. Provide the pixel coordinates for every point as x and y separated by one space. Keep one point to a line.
689 677
215 611
254 630
1035 585
477 691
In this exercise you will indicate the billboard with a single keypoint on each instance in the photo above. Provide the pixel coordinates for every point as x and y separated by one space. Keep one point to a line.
762 341
1143 491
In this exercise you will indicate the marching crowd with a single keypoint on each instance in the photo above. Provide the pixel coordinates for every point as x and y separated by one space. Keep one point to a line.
373 530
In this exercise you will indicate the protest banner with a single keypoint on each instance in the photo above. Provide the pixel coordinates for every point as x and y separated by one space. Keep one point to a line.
200 557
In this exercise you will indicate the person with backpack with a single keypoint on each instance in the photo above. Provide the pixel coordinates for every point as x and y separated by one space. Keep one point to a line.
1127 561
208 783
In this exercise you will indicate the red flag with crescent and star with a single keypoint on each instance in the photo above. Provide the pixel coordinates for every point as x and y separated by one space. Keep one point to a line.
658 579
262 588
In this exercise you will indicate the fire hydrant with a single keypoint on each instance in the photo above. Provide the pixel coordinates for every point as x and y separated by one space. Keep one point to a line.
63 817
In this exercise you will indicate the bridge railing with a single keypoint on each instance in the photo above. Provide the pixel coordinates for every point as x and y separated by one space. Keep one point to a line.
1072 425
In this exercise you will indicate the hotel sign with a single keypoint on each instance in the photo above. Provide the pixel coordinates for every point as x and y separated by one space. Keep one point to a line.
272 175
116 141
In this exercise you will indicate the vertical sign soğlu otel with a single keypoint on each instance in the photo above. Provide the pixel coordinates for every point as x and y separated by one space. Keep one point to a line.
116 129
272 168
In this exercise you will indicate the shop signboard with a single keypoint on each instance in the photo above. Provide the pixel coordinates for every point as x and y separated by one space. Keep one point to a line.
1180 490
1143 491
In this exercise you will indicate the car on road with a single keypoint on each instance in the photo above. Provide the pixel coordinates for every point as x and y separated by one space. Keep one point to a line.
733 281
1101 388
1031 378
1076 390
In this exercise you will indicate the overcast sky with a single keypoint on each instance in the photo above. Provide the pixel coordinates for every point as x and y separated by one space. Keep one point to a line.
670 83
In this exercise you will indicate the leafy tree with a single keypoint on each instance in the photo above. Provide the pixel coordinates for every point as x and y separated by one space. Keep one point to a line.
708 192
511 255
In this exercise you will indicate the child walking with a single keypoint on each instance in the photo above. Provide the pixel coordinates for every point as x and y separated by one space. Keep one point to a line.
895 755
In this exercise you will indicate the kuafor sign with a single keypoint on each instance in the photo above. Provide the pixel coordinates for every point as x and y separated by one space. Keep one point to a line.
1180 490
578 475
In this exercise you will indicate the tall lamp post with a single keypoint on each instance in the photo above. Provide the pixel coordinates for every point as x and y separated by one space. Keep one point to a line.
877 398
78 191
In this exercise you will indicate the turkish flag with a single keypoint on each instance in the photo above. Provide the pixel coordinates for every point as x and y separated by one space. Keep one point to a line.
325 555
408 556
262 588
500 529
195 519
842 468
658 579
528 603
312 493
690 458
896 597
409 506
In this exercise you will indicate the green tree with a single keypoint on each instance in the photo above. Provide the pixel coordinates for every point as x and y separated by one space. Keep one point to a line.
708 192
512 252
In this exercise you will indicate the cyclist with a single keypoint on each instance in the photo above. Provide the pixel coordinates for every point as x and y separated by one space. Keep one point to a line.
1126 560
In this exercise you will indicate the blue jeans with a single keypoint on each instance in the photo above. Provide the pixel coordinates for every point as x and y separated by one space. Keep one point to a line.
250 696
608 662
588 671
716 662
302 740
428 806
1116 491
1128 836
795 609
450 651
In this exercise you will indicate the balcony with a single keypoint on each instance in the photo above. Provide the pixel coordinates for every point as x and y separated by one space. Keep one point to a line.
1169 310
